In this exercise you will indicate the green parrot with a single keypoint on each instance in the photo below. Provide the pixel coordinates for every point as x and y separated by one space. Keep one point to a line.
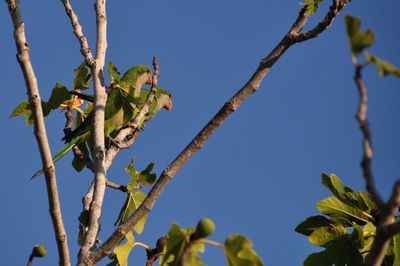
119 110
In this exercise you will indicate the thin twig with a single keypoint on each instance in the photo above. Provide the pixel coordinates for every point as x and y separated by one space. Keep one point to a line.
334 9
386 228
153 254
197 143
113 185
85 50
367 141
23 58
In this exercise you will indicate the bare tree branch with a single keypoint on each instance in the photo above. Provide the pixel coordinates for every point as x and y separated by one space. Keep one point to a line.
85 50
197 143
113 185
100 98
386 228
40 131
367 142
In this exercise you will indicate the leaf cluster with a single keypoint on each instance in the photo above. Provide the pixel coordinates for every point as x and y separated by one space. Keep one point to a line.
347 230
182 246
360 40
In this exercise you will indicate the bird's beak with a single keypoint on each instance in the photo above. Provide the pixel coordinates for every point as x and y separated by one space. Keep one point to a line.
168 106
149 80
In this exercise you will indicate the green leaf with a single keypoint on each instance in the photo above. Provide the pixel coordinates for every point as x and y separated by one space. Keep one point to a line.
361 200
83 225
145 177
335 208
311 5
58 96
333 183
311 224
82 77
358 40
115 76
122 251
24 109
396 247
340 252
325 234
76 163
384 67
177 240
369 231
238 252
132 202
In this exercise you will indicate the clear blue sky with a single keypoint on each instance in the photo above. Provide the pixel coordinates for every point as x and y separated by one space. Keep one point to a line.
260 173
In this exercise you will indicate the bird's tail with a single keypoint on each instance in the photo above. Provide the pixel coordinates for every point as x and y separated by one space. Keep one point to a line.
59 155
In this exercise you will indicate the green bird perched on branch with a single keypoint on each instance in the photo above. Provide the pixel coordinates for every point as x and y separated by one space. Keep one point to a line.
124 101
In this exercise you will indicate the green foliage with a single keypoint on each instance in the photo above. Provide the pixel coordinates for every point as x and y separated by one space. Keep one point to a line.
82 77
348 233
113 72
342 250
59 95
39 251
396 247
121 253
185 245
140 178
178 240
135 197
358 40
311 5
384 67
83 224
238 252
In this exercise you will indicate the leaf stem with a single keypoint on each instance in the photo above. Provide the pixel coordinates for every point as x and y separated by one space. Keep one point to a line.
213 243
142 245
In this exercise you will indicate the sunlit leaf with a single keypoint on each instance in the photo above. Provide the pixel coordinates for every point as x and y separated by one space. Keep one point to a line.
58 96
82 77
341 251
358 40
115 76
311 5
144 178
132 202
122 251
325 234
177 240
384 67
239 252
333 207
